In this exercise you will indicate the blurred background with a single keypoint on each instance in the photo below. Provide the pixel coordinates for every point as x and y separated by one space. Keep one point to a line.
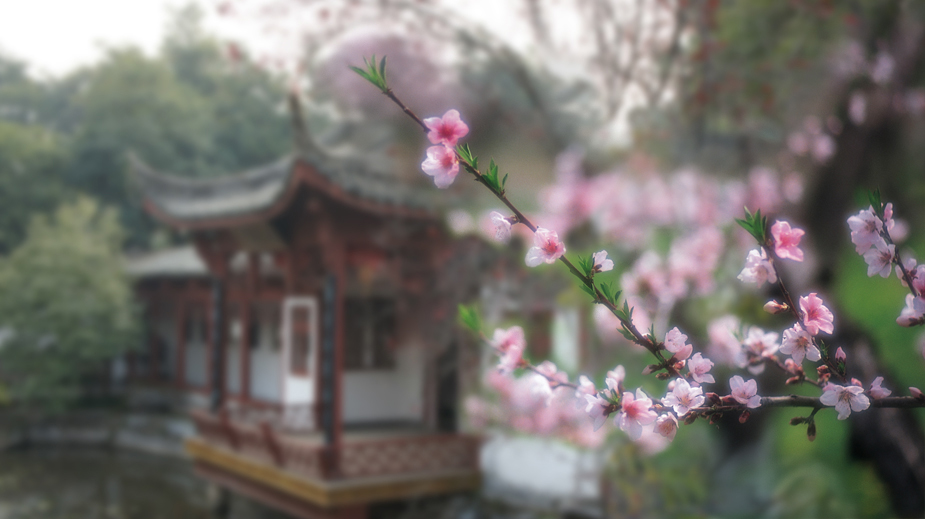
639 127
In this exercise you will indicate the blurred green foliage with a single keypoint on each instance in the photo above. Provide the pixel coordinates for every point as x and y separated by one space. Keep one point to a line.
189 111
65 305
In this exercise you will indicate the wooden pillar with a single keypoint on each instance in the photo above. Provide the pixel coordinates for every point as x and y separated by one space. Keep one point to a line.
217 345
333 344
154 346
180 361
246 314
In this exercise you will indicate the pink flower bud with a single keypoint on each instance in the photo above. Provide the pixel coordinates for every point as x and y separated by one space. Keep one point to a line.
840 356
773 307
917 393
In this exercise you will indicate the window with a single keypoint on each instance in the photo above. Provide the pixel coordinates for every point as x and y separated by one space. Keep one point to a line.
370 333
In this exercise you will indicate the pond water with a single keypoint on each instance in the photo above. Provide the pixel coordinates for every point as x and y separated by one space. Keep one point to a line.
85 483
82 483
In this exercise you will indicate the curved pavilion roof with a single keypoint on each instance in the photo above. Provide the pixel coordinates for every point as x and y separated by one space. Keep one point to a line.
262 193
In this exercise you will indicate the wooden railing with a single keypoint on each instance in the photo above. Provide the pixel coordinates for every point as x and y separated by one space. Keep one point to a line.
366 458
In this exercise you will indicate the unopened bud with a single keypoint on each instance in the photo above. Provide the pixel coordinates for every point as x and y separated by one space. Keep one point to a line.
744 416
811 431
856 382
713 398
797 420
773 307
692 417
651 368
840 355
917 393
822 370
715 417
793 380
662 376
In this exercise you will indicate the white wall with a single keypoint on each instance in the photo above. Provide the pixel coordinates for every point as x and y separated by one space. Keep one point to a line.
266 373
196 363
394 394
566 338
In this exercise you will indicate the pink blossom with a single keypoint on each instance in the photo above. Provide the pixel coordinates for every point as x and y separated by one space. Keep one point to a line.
877 391
446 130
546 248
816 317
614 380
676 343
501 225
683 397
598 409
757 268
845 399
634 413
879 258
915 392
798 343
787 241
865 229
823 148
757 346
857 108
502 340
745 392
724 343
913 313
699 367
547 378
510 345
585 387
442 164
667 425
601 262
909 264
888 222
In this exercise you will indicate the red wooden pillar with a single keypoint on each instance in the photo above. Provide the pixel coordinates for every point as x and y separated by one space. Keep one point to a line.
333 342
246 311
180 362
247 316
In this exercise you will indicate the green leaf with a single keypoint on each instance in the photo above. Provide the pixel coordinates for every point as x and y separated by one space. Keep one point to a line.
586 265
627 333
504 181
588 290
755 224
876 202
373 74
469 317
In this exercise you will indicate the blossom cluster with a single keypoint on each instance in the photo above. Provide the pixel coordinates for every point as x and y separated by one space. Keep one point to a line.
686 371
871 235
442 162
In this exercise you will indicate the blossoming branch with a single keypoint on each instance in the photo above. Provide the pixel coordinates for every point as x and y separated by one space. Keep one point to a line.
685 401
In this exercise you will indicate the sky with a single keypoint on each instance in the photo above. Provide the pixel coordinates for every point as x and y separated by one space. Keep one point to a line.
57 36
